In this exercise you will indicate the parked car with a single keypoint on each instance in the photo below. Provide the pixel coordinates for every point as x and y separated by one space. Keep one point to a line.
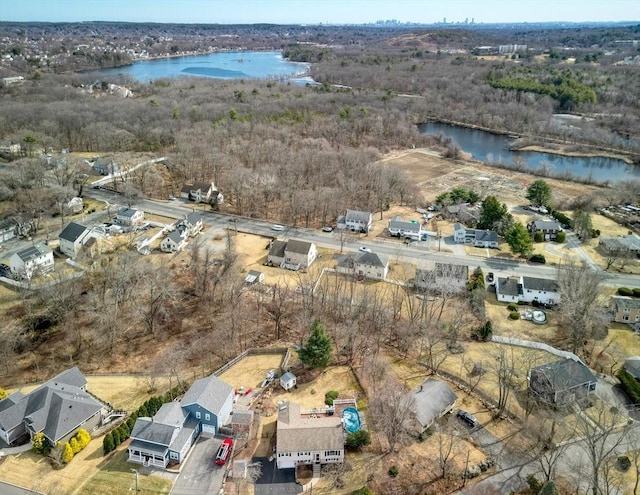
224 452
277 228
365 249
490 277
327 229
5 270
468 418
171 198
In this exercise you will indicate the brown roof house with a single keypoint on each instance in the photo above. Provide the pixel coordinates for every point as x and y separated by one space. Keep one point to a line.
307 437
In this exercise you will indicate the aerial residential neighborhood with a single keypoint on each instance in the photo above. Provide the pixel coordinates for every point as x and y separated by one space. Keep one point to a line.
338 249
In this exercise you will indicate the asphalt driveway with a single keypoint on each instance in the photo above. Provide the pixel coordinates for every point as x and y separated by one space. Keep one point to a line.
275 481
200 475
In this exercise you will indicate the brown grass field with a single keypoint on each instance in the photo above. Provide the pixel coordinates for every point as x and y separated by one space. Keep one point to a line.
250 371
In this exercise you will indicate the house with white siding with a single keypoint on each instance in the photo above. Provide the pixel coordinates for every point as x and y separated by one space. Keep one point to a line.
527 290
34 259
368 265
402 228
292 254
308 437
72 238
357 221
129 217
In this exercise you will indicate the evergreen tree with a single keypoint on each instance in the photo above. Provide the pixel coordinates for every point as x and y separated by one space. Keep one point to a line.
519 239
493 213
317 352
539 193
107 443
116 437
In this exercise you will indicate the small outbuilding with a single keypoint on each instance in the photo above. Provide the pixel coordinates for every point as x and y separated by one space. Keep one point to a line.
288 380
254 277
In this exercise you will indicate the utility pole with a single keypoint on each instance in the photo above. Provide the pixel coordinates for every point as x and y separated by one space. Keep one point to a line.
135 472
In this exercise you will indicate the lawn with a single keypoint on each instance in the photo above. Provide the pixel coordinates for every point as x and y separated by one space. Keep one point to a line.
251 370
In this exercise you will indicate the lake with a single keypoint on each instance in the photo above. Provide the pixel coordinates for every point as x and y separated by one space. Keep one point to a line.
494 148
219 65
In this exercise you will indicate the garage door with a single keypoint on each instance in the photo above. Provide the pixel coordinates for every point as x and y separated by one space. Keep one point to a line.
208 430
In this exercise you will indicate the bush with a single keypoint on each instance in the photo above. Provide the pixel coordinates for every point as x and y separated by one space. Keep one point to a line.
362 491
330 396
393 471
107 443
358 439
630 385
512 307
67 453
83 438
514 315
636 292
40 444
75 445
538 236
538 258
561 237
624 463
625 291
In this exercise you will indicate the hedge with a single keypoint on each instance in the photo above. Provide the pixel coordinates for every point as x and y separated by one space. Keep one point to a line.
625 291
538 258
630 385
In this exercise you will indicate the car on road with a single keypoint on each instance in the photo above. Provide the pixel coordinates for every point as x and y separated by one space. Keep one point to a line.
490 277
468 418
277 228
171 198
327 229
365 249
224 452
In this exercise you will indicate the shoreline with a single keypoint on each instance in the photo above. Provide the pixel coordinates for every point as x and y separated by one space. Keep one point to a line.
547 143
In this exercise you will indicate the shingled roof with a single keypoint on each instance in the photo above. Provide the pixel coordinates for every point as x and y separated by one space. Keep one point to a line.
305 434
72 232
210 393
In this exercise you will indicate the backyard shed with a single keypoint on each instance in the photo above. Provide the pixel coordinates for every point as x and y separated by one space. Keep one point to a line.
288 380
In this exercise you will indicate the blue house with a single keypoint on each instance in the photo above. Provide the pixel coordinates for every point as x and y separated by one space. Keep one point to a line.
170 434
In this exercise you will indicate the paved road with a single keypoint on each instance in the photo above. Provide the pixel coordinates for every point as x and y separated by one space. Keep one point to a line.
416 252
8 489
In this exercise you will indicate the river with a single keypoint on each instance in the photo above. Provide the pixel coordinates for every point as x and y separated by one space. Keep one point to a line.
220 65
494 148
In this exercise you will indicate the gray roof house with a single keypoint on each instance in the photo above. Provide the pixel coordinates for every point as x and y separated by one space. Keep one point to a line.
7 230
549 228
169 435
359 221
58 408
562 381
305 437
32 259
429 401
368 265
527 290
72 237
292 254
402 228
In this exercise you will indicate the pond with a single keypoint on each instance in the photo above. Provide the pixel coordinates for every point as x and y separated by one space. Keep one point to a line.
220 65
494 148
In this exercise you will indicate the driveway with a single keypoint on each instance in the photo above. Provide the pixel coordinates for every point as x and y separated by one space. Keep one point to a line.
200 475
275 481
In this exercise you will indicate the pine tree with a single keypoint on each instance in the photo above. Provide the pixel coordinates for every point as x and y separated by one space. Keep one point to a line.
317 352
519 239
107 444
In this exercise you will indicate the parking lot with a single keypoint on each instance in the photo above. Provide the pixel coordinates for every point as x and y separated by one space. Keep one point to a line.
200 475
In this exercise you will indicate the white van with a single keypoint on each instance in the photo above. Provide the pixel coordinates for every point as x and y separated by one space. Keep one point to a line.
278 228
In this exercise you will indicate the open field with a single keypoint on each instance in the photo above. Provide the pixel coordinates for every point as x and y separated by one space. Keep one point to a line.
503 326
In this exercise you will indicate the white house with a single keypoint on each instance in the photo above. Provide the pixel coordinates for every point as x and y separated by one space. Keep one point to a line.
72 238
202 192
476 237
292 254
7 230
28 261
288 380
358 221
129 217
406 229
527 290
254 277
174 242
369 265
306 437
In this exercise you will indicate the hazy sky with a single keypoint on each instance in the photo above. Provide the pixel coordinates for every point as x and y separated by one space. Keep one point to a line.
319 11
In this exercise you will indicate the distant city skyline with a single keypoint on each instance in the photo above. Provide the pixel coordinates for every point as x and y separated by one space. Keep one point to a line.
320 11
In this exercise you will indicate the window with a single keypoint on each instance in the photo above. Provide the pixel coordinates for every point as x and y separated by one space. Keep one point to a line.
331 452
198 414
174 455
207 417
625 318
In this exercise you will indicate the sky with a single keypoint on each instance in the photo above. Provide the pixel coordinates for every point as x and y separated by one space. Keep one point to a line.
319 11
